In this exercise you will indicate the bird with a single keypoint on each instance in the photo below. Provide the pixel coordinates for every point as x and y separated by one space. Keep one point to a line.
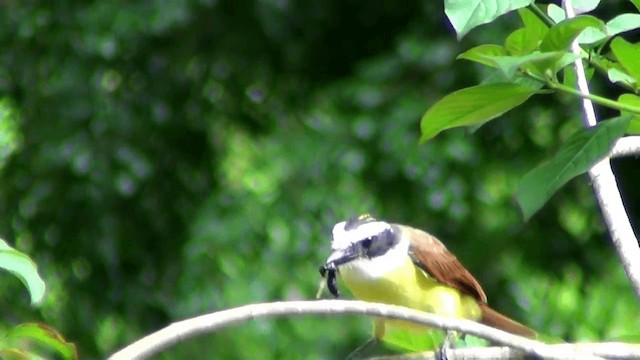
400 265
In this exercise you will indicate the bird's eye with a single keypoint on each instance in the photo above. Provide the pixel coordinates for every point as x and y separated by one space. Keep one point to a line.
366 243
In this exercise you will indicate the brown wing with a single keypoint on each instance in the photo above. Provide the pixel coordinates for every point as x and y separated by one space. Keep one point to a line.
428 253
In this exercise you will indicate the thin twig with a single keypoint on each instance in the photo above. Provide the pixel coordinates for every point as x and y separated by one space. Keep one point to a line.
186 329
605 185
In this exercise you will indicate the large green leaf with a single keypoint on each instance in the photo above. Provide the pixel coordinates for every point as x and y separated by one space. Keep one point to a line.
466 15
44 335
627 55
560 36
472 106
26 270
634 124
577 155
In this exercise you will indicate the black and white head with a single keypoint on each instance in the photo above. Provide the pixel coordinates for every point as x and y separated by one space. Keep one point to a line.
367 245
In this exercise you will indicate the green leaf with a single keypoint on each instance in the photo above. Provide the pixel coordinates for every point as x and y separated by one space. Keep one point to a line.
538 62
581 151
634 124
634 127
477 54
560 36
14 354
413 341
516 43
592 36
509 65
628 338
496 76
535 30
615 26
44 335
528 38
616 75
470 341
533 23
22 267
556 13
636 3
565 60
583 6
569 77
473 105
627 55
623 23
466 15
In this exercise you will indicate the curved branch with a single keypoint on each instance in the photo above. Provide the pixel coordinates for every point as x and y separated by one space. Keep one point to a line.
604 350
626 146
186 329
605 185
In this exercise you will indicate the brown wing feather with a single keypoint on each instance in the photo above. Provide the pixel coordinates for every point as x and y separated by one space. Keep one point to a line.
495 319
433 257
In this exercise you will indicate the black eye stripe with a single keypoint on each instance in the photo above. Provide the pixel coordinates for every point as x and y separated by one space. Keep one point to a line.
366 243
379 244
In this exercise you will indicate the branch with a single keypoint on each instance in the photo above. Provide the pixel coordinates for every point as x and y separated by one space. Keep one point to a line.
186 329
606 187
626 146
604 350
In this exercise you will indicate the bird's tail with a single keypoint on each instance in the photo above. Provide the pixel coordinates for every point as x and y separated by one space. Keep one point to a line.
494 319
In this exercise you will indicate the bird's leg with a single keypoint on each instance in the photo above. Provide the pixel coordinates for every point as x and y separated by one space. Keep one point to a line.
449 339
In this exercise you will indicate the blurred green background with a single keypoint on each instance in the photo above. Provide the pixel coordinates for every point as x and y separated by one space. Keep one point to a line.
165 159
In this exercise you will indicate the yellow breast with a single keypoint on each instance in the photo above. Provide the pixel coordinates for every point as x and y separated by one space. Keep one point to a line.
410 286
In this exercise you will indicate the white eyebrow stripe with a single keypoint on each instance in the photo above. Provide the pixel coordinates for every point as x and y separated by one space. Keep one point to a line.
342 238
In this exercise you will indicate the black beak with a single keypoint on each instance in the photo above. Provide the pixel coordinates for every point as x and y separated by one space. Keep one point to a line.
342 256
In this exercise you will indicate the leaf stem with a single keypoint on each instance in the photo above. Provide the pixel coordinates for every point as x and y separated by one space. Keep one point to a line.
595 98
546 19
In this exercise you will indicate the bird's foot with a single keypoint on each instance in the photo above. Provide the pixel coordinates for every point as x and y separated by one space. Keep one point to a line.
449 339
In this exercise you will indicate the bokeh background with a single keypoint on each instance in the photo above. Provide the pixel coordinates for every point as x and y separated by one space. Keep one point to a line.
165 159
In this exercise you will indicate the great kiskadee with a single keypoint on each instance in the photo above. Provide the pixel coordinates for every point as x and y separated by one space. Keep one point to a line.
400 265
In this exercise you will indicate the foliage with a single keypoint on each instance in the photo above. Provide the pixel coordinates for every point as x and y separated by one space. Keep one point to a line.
21 342
23 268
533 55
168 159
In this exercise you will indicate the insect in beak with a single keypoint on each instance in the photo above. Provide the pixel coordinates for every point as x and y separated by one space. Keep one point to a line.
329 271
